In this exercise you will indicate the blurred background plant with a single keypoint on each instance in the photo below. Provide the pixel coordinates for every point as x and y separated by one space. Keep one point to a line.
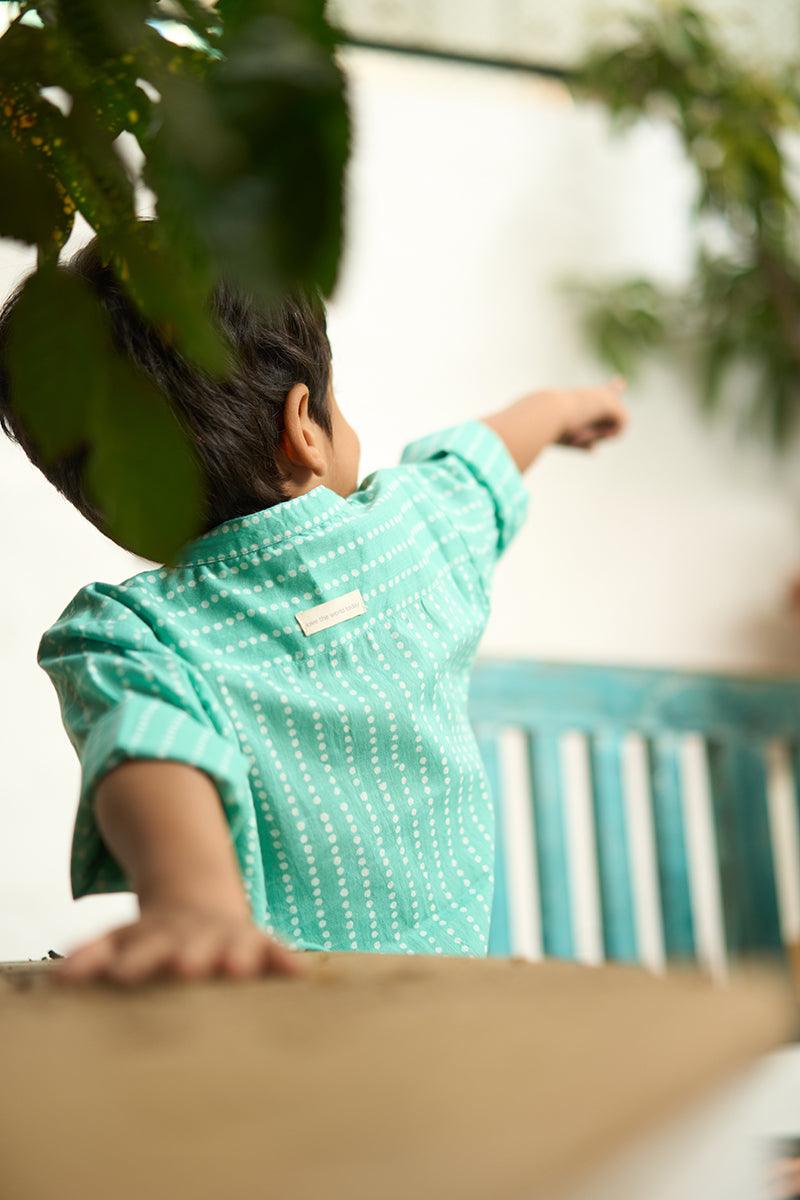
239 117
742 305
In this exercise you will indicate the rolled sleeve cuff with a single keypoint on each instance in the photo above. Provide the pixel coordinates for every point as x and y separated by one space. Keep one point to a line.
146 728
485 455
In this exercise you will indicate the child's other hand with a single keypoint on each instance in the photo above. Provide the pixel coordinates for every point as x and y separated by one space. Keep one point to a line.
592 414
184 942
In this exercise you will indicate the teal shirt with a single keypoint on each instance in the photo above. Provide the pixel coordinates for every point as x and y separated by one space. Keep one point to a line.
357 802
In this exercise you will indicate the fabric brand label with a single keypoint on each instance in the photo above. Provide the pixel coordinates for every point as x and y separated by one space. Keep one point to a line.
332 612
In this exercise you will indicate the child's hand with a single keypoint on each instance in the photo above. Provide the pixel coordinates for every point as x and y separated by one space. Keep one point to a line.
181 941
592 414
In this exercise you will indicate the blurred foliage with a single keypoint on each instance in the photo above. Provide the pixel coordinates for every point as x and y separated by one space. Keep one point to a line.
735 122
243 135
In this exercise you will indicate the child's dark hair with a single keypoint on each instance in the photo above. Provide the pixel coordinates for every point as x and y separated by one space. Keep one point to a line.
235 424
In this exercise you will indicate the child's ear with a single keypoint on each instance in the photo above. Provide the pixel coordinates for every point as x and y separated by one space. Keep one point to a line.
302 439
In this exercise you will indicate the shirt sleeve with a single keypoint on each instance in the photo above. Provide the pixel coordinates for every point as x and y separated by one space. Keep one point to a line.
478 484
125 695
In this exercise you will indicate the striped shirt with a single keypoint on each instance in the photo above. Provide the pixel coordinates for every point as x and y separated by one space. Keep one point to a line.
357 802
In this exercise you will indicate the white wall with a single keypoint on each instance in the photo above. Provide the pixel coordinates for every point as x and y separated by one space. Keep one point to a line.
555 34
472 195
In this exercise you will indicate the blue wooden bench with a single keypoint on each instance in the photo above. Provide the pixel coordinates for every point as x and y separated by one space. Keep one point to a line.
642 815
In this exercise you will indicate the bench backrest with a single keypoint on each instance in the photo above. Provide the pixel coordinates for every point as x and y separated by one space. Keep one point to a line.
642 815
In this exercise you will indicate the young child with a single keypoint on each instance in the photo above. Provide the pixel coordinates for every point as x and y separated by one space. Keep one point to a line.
273 735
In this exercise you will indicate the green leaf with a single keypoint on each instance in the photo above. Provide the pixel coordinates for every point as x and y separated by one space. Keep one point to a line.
718 356
279 216
92 171
167 59
39 57
72 391
58 351
260 173
100 31
31 209
237 13
33 123
118 102
76 150
201 18
142 473
246 153
308 17
172 292
50 57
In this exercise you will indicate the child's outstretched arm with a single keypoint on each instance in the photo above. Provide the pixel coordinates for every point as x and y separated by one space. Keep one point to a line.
164 823
579 417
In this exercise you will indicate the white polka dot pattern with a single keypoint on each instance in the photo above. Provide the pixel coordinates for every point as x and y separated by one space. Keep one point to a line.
351 780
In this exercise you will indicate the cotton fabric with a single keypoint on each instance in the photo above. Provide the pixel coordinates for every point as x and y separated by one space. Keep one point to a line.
357 801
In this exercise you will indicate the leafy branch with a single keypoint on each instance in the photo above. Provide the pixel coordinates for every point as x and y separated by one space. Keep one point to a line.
243 136
742 305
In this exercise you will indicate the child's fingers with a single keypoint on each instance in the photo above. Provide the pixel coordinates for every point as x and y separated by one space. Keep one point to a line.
139 960
131 956
88 961
255 954
589 435
244 956
199 955
281 960
613 421
615 416
610 426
